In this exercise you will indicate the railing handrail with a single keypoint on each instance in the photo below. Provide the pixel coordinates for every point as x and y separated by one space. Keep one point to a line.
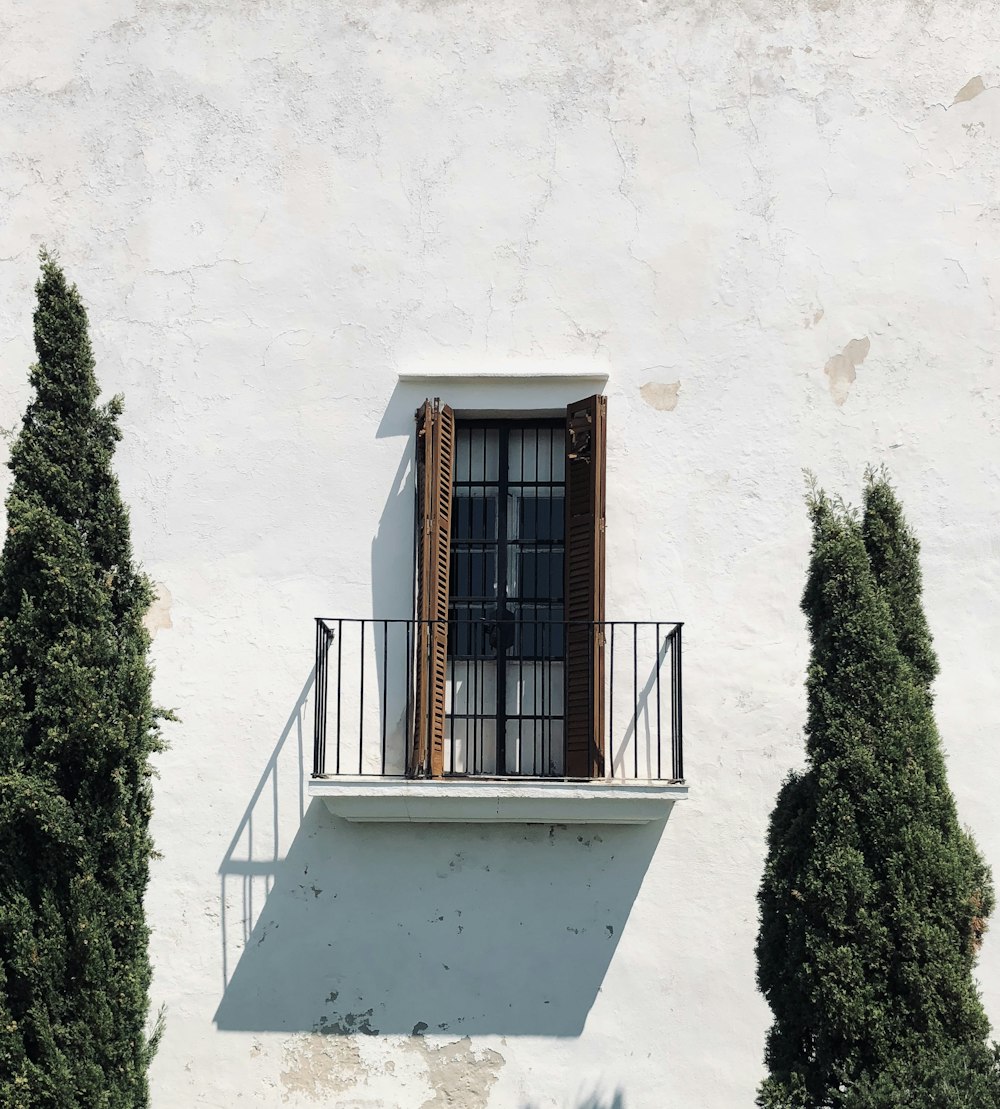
541 661
476 620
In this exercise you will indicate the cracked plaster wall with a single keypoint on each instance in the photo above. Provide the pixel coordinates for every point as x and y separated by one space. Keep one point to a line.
272 209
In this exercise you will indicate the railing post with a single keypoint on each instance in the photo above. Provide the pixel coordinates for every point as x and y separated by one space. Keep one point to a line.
635 700
409 726
610 768
659 736
323 637
340 659
385 684
679 713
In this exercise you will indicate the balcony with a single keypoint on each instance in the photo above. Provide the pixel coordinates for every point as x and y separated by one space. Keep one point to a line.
488 741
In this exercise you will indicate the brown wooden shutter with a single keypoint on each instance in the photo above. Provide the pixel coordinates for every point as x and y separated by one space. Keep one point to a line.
435 460
586 468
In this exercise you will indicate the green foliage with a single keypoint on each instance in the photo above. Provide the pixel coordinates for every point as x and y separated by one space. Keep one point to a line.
957 1079
873 900
894 554
77 728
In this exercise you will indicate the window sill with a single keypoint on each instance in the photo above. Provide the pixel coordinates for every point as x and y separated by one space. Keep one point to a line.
514 370
469 801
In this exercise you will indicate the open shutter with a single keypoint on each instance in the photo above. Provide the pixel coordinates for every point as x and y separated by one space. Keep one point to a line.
586 433
435 460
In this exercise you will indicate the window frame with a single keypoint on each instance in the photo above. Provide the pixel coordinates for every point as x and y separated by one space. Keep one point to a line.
585 426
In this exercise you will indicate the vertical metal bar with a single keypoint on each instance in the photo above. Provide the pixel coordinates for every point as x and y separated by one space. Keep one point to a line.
475 727
673 703
322 707
361 707
519 648
476 716
523 591
541 766
503 463
611 708
591 714
679 758
481 727
318 706
409 725
452 713
340 652
385 684
554 609
427 769
659 771
325 638
635 698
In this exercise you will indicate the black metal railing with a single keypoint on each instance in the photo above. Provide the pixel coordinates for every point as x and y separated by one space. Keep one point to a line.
505 697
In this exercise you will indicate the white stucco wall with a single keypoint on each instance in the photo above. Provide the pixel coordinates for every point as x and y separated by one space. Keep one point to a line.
774 223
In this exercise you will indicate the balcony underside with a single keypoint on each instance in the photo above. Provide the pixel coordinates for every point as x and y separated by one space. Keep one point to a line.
496 801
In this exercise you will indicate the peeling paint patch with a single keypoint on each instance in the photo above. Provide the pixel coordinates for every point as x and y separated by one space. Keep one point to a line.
661 395
460 1075
841 368
317 1066
158 614
969 91
346 1070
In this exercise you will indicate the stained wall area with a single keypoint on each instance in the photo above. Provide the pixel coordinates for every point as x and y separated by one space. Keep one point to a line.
773 223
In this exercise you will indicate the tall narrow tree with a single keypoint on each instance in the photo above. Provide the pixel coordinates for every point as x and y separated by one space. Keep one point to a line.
894 554
77 728
868 931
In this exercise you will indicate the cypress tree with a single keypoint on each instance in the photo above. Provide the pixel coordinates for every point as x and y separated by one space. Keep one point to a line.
894 554
873 899
77 728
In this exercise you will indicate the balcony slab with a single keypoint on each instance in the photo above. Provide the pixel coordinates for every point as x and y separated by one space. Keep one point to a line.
495 801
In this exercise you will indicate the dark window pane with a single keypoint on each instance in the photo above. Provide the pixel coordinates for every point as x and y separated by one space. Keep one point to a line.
541 633
541 575
467 633
541 518
473 572
474 518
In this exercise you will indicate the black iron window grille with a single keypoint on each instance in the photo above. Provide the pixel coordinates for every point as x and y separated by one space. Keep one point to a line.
506 649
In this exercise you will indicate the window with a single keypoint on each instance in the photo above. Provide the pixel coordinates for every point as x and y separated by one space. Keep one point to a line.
506 642
509 672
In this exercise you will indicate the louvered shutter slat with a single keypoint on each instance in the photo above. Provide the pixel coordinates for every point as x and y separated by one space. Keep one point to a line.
435 460
586 466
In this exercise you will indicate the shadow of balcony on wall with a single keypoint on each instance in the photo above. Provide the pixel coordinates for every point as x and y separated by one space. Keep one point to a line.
595 1101
409 929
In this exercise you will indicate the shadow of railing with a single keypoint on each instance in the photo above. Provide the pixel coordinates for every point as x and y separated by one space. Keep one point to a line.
254 853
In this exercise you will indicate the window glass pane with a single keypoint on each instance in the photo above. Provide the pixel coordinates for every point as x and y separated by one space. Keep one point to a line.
467 633
540 575
470 746
539 632
473 572
539 517
477 452
474 515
